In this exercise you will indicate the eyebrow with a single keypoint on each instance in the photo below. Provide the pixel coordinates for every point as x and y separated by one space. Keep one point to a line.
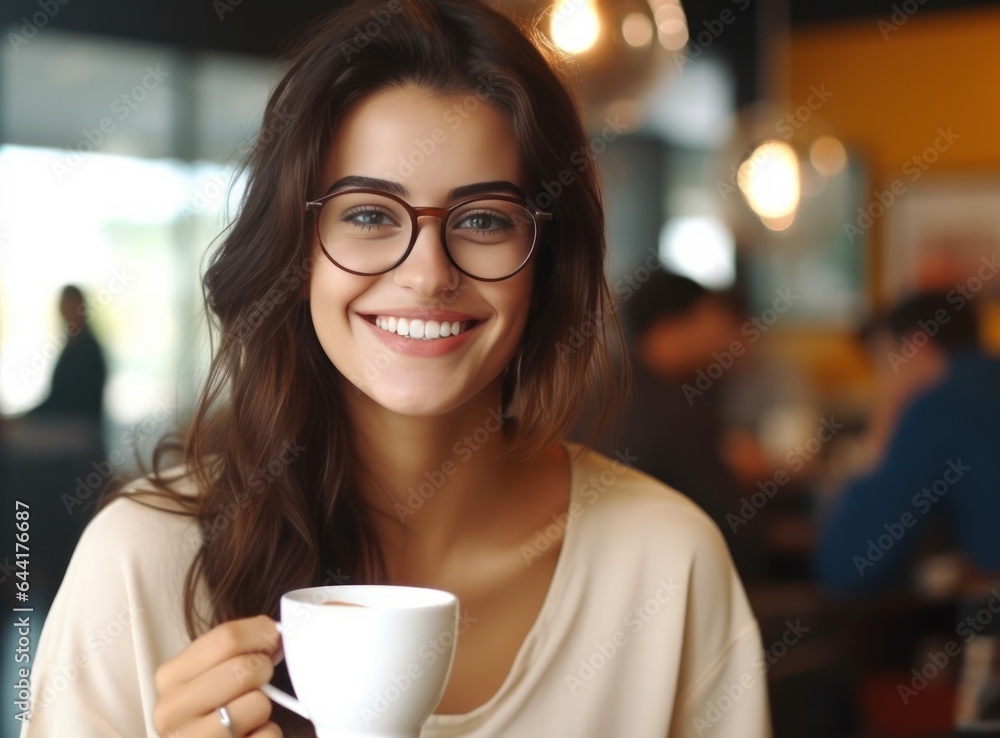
395 188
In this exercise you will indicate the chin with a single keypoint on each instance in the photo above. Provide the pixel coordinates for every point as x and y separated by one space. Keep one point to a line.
414 401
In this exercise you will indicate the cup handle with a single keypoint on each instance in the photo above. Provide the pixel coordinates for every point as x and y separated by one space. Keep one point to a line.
284 699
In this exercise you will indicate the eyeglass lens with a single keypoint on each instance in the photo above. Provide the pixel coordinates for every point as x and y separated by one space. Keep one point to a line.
368 233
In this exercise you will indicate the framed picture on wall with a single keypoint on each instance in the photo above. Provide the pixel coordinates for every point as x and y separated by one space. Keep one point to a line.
944 234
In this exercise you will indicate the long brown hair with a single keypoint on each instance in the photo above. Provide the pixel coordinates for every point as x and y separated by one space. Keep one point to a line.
268 447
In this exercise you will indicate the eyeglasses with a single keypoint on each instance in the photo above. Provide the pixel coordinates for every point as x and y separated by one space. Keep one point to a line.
370 232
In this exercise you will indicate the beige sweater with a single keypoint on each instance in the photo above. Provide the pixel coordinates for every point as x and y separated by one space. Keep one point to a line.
645 631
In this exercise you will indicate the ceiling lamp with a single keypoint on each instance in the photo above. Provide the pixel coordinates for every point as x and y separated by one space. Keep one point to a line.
775 162
620 47
769 180
575 25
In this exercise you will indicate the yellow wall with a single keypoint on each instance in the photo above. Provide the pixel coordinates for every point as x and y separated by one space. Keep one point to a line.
890 95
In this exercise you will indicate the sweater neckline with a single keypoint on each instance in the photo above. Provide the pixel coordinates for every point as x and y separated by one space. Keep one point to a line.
522 660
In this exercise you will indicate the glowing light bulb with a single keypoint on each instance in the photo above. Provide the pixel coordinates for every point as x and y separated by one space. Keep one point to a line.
769 180
779 224
671 25
637 30
575 25
828 155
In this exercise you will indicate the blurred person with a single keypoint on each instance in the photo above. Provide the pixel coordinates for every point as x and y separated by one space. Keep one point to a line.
932 450
56 446
398 416
77 388
673 425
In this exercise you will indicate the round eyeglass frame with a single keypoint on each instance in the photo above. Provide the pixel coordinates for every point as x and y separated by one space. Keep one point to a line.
537 216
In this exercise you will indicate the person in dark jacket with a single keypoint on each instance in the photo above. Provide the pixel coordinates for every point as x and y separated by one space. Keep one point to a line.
80 372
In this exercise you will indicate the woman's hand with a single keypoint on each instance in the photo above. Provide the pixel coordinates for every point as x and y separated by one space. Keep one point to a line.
223 668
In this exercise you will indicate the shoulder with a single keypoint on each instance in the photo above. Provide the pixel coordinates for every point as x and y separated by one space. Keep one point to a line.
626 525
969 374
137 550
637 538
144 525
923 419
619 501
119 612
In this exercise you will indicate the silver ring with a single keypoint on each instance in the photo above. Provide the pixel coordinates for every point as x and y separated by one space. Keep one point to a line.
226 720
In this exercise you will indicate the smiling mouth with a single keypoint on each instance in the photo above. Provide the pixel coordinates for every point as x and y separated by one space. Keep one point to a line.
424 330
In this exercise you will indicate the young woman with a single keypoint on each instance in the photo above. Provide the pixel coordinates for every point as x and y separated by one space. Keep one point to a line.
409 321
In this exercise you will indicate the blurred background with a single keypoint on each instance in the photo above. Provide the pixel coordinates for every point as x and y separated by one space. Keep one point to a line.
782 178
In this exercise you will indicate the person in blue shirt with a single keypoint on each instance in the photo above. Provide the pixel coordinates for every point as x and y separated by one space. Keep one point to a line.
935 451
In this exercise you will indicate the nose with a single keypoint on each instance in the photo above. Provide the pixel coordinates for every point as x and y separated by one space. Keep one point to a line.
427 270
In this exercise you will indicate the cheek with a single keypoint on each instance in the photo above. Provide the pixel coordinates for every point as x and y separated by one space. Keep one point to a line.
330 292
323 292
514 302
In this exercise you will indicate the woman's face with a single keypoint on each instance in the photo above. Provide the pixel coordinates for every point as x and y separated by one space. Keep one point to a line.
423 147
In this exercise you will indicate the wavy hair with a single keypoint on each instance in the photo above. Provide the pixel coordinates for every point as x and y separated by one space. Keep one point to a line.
268 446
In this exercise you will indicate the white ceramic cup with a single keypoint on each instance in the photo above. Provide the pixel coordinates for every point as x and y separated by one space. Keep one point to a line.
375 670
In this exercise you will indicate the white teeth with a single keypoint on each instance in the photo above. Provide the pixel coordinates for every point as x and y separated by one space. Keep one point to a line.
417 328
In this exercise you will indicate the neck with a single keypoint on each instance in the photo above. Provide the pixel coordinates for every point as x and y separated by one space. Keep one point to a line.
431 480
